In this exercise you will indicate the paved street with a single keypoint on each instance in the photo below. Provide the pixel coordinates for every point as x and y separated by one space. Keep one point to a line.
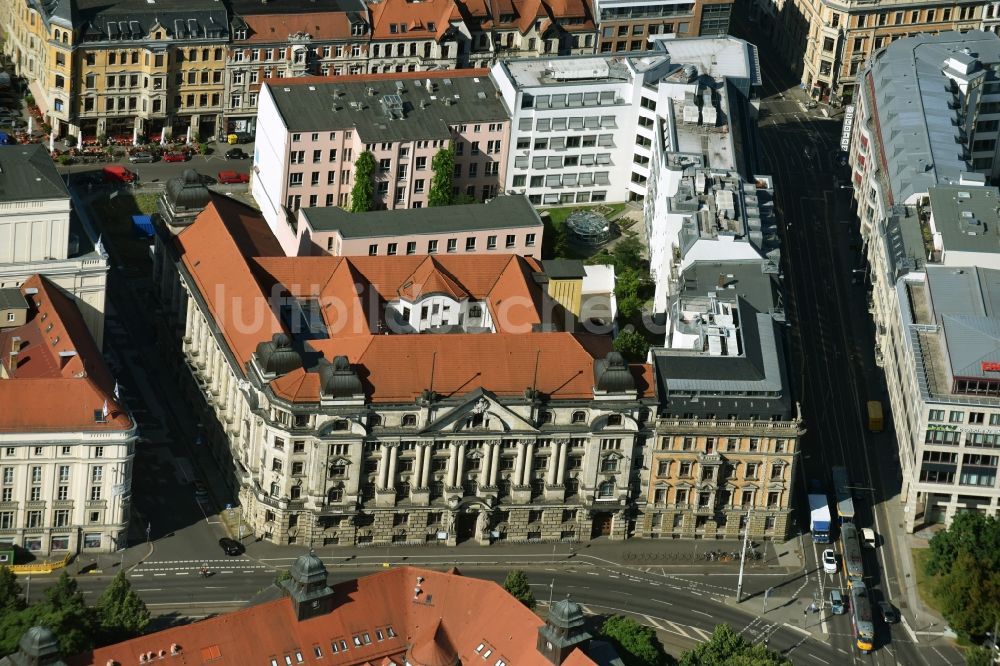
833 363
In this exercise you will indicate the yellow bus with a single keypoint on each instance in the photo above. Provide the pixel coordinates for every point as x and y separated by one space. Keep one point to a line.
875 420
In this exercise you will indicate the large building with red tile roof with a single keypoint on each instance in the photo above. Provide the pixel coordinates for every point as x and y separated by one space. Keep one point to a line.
403 399
404 616
66 445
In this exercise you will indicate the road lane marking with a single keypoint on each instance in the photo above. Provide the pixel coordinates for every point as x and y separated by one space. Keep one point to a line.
159 574
654 623
705 635
151 589
798 629
694 610
678 629
661 601
183 573
817 658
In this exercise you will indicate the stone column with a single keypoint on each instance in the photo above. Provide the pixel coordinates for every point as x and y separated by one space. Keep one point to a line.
519 465
528 459
460 469
393 457
425 474
560 476
555 446
485 462
495 464
418 464
452 466
383 467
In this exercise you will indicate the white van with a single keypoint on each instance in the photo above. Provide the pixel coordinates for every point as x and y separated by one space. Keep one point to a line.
868 537
836 602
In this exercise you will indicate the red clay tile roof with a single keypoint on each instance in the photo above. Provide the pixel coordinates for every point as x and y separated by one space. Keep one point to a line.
213 250
416 16
469 612
429 278
321 26
60 378
351 294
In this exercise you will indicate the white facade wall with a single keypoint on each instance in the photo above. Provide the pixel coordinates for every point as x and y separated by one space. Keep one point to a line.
270 159
74 467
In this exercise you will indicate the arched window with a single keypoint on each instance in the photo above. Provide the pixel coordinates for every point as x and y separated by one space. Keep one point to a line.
375 420
275 491
338 470
606 490
65 38
580 417
545 417
335 495
409 420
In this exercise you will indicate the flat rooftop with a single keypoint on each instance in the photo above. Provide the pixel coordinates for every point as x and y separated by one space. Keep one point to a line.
404 106
503 212
572 70
967 218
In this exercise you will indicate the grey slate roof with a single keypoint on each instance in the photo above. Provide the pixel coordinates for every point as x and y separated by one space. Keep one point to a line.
912 95
966 303
11 298
125 21
502 212
310 106
256 7
754 382
967 217
28 172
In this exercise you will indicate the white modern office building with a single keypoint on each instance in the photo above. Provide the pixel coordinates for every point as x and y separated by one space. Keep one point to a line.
923 148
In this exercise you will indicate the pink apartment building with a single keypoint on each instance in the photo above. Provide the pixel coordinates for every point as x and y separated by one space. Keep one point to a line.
503 225
311 129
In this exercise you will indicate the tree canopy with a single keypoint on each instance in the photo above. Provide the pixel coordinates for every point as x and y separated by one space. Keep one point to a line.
632 344
965 559
121 612
728 647
363 192
443 166
516 584
119 615
637 644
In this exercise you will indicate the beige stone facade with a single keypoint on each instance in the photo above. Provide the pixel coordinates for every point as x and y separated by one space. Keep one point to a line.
708 477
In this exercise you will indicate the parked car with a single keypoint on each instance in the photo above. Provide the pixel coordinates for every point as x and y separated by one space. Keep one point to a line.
236 154
868 537
889 613
233 177
829 561
179 156
118 175
231 546
836 602
141 158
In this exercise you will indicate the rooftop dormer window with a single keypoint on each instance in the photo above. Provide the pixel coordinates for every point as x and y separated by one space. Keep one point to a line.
240 33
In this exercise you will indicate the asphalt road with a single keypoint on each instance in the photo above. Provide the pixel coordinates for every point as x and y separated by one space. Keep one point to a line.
834 372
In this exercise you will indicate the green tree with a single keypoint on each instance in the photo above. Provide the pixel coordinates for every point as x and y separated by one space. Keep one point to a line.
516 584
443 166
969 532
727 647
632 344
629 287
627 254
978 656
10 592
969 596
121 612
66 614
637 644
363 192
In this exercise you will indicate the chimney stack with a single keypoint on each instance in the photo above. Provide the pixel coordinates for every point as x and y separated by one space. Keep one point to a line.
15 351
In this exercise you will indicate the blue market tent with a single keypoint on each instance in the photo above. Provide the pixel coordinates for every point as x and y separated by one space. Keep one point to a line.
143 225
5 139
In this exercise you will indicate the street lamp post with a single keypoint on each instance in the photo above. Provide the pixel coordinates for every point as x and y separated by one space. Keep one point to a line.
743 558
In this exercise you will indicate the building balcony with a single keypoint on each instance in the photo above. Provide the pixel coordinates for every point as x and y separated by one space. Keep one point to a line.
725 426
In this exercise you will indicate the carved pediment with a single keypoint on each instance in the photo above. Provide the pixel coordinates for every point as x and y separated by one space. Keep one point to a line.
480 413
